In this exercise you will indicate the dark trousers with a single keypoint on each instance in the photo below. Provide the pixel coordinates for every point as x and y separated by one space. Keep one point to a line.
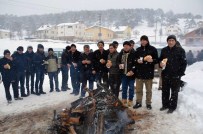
64 70
127 84
75 79
21 80
28 76
53 76
86 76
102 76
39 81
7 89
170 87
114 83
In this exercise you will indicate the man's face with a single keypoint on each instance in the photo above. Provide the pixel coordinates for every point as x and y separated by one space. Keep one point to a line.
100 46
7 55
171 42
86 49
112 49
132 46
41 49
144 42
20 51
73 49
126 48
30 50
51 52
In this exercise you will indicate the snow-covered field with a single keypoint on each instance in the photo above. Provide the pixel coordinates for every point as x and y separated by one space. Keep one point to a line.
187 119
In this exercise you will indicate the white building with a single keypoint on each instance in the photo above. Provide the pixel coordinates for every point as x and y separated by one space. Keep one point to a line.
4 34
71 31
123 32
172 29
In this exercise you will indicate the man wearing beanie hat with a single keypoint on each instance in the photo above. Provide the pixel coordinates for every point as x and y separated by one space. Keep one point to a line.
146 58
65 69
99 68
21 66
126 60
8 72
132 45
39 66
173 63
29 54
53 69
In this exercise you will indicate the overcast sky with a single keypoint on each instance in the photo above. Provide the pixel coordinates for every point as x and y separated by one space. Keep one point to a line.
25 7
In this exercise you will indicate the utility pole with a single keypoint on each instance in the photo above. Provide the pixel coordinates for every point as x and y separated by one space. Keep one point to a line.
100 34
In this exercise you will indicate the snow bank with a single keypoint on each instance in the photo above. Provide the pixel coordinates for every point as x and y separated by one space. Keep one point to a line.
190 100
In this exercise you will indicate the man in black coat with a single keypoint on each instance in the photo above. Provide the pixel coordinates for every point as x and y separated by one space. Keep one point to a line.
73 63
29 54
173 63
9 76
38 61
126 62
146 58
21 66
99 63
86 70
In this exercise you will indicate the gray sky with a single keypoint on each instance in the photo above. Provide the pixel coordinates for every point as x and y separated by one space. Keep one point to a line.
25 7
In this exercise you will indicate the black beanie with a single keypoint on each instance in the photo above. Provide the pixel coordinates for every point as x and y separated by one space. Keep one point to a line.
126 43
40 46
73 45
115 42
171 37
6 51
20 48
144 37
29 47
50 49
68 48
132 42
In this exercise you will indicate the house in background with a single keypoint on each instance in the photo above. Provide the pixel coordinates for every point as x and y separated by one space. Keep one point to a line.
4 34
172 29
71 31
122 32
194 37
42 32
95 33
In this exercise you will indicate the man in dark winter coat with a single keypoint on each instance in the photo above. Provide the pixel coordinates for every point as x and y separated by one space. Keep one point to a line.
39 64
52 69
21 66
114 72
173 63
86 70
99 64
126 61
30 70
190 57
147 57
73 63
65 69
9 76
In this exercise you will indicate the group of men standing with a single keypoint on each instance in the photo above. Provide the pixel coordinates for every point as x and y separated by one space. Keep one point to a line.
112 68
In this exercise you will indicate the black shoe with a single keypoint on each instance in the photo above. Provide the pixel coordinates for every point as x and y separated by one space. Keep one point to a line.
72 93
42 92
163 108
9 101
137 105
57 90
149 107
63 89
32 92
19 98
51 90
24 95
38 94
170 111
76 94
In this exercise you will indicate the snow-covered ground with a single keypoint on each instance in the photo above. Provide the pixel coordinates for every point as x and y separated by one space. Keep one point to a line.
187 119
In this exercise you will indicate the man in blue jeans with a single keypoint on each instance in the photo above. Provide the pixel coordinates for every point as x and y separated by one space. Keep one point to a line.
38 61
65 69
21 65
126 61
52 69
73 63
86 70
